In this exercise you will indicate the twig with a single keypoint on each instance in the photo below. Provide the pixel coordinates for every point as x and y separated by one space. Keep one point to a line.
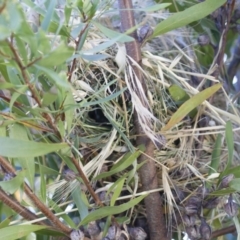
18 208
223 231
3 6
44 209
86 182
31 63
148 176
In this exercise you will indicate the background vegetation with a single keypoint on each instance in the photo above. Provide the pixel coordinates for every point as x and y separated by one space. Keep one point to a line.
119 124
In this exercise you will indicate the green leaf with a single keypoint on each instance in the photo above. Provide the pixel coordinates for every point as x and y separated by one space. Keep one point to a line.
69 112
82 39
22 49
57 57
43 189
107 211
157 7
13 184
17 95
235 184
4 71
180 96
187 16
15 19
48 171
10 21
216 153
6 85
48 15
125 162
113 34
49 98
65 217
230 143
17 131
222 192
190 104
5 223
5 33
19 231
100 47
63 30
235 171
10 147
92 57
56 79
79 198
103 100
67 12
117 189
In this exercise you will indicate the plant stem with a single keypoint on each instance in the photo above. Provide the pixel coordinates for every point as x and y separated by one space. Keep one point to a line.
86 182
148 176
36 201
223 231
18 208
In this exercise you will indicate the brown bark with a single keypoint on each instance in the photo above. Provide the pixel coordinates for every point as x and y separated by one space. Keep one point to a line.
148 176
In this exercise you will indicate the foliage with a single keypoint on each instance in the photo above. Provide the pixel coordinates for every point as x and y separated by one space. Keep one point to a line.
67 131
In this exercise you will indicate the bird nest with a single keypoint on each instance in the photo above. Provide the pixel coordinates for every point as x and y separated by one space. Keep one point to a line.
104 132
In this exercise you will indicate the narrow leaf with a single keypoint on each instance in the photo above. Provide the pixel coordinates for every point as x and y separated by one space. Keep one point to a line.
216 153
78 198
190 104
107 211
18 131
157 7
48 16
10 147
14 184
125 162
235 184
230 143
117 187
235 171
19 231
56 79
57 57
5 223
187 16
113 34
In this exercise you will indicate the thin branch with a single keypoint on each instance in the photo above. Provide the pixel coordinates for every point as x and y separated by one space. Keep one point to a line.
31 63
18 208
36 201
3 6
86 182
148 176
223 231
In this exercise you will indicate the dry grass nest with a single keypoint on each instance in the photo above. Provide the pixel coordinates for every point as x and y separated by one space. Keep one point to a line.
104 129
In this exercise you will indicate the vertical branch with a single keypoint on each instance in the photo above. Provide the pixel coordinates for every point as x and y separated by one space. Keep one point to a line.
148 172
